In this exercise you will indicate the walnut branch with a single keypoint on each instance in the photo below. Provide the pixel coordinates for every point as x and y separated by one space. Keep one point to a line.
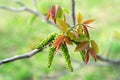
117 62
35 51
17 57
24 8
22 56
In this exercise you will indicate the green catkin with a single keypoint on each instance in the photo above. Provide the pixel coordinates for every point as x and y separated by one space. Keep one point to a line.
66 55
47 40
51 55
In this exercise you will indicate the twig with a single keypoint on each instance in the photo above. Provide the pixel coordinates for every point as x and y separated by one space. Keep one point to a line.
24 8
17 9
117 62
73 11
18 57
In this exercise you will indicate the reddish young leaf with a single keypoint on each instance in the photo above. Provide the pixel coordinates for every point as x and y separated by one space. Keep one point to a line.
93 53
86 57
88 21
85 30
57 43
48 15
53 11
90 27
82 46
68 40
58 46
76 34
54 20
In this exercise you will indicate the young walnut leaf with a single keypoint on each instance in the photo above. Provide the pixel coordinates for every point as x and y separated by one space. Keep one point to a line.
85 30
57 43
79 30
48 16
94 46
76 34
70 34
66 10
68 40
79 18
93 53
59 12
62 25
82 46
88 21
82 54
52 13
86 57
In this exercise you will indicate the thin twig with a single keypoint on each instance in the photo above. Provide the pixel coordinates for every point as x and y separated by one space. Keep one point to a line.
73 11
117 62
18 57
24 8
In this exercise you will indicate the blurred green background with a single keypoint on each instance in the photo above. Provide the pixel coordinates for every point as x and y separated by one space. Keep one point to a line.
18 35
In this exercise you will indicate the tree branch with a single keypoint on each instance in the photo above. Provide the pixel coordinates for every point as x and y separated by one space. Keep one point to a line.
117 62
25 8
18 57
73 11
35 51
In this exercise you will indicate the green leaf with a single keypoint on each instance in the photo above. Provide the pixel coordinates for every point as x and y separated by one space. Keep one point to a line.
79 18
62 25
79 30
83 54
70 34
94 46
83 37
59 12
66 10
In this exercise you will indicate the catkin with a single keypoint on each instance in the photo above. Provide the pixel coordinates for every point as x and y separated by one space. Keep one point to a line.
51 55
66 55
47 40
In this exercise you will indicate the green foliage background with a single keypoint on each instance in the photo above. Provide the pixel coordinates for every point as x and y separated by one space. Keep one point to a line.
18 35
